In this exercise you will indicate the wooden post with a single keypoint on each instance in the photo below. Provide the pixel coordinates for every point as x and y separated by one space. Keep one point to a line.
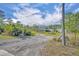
63 27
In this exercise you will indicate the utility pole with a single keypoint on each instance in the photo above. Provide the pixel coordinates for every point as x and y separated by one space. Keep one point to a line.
63 26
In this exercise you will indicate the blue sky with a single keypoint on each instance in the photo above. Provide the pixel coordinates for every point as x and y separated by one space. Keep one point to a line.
33 13
72 7
8 8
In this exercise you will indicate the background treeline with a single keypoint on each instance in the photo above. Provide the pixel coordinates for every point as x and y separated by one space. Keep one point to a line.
72 22
15 29
10 28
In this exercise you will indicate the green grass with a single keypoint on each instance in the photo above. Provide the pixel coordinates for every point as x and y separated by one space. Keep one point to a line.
6 37
33 33
51 33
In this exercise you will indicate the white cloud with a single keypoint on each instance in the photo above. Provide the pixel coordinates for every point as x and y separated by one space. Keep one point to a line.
14 20
29 16
26 16
76 10
24 4
69 6
58 9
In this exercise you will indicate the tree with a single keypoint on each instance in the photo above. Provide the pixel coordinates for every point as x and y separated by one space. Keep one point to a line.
17 29
72 24
1 21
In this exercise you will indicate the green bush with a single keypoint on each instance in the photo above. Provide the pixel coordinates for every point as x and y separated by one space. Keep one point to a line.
1 30
16 32
47 30
29 33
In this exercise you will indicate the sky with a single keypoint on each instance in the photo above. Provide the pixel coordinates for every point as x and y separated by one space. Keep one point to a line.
37 13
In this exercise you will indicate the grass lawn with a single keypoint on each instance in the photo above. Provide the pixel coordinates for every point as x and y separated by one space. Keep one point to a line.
6 37
51 33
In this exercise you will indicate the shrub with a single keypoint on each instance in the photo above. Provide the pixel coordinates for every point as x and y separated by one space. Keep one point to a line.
57 40
1 31
29 33
16 32
47 30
